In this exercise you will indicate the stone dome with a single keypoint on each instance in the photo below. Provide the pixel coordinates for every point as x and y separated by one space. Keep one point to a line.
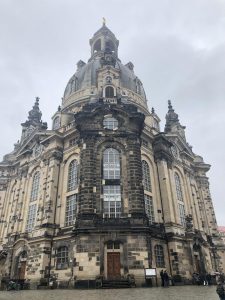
104 48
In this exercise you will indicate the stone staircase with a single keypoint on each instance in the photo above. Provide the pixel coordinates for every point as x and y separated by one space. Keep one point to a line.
117 284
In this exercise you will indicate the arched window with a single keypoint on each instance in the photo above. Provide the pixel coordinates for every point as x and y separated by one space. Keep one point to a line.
111 188
72 176
146 176
56 123
35 187
111 164
109 46
159 256
62 258
97 46
180 199
110 123
109 92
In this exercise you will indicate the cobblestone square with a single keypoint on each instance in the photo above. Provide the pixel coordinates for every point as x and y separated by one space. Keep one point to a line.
172 293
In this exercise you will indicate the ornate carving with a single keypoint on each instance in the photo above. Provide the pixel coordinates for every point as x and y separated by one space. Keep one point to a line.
189 223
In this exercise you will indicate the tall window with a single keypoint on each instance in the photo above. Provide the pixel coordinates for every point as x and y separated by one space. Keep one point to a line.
62 258
159 256
111 189
111 164
32 210
178 187
146 176
112 201
182 213
180 200
31 217
35 187
71 207
72 176
109 92
149 209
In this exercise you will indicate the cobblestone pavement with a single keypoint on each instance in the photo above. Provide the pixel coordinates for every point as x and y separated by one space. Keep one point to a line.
171 293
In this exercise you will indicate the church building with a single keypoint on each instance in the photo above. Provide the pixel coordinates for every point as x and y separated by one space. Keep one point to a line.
104 194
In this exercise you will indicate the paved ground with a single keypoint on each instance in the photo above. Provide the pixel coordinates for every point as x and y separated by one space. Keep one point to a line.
171 293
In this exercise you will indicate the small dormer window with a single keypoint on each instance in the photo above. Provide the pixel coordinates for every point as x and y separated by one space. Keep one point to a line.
110 123
56 123
109 92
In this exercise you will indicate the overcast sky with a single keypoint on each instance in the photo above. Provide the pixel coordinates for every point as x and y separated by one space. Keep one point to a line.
177 48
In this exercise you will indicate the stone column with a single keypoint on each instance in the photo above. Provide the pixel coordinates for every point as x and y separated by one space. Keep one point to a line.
135 186
87 199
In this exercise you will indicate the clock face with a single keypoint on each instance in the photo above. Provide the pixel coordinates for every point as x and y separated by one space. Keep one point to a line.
28 131
174 151
108 79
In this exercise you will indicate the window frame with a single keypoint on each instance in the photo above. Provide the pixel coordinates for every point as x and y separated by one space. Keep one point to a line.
112 201
159 256
111 164
110 123
72 177
64 255
109 91
35 186
149 208
31 217
111 188
71 210
180 199
146 174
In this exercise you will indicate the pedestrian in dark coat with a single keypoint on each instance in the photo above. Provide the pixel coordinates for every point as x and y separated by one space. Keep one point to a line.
208 278
162 277
166 279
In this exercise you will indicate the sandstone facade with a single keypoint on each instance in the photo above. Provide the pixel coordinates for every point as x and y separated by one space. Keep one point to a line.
105 193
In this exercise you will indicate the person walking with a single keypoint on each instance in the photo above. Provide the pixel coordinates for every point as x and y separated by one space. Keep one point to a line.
166 279
162 278
208 278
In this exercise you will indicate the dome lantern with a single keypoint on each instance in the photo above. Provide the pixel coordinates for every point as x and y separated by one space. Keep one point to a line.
104 40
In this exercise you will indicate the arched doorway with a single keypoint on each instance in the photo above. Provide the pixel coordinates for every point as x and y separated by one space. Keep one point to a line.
199 263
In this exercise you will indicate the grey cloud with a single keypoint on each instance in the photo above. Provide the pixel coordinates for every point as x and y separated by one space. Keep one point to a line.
177 48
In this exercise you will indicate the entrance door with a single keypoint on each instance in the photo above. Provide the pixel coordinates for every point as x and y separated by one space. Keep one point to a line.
197 264
113 265
21 270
